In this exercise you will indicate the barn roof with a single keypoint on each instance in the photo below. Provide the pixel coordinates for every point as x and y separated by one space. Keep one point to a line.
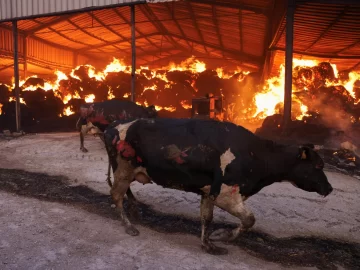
222 32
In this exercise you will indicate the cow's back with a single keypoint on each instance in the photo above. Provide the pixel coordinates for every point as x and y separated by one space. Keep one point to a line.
191 132
155 138
117 107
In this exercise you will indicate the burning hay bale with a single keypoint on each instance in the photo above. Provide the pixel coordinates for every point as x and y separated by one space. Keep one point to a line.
321 95
4 94
43 104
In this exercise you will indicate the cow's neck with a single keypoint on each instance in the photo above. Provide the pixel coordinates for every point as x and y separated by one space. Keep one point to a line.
278 164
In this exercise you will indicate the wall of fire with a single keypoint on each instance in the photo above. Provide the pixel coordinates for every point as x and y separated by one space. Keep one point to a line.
214 39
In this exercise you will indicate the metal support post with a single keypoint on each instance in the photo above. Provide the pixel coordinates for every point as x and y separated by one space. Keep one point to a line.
16 76
288 62
133 54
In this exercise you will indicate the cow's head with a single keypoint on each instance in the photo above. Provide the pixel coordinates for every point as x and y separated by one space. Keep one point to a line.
307 172
151 112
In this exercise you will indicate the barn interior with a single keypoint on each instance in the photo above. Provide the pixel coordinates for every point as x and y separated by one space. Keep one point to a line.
185 50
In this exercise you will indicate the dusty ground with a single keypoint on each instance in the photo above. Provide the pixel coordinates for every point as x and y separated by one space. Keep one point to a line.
55 214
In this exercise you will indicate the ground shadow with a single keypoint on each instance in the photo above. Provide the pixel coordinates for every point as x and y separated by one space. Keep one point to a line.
295 251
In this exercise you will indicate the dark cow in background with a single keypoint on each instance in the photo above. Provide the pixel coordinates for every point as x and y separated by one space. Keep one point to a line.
95 117
221 161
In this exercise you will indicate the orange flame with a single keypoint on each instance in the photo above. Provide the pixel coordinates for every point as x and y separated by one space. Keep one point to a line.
273 92
14 99
68 111
89 98
191 64
185 104
1 109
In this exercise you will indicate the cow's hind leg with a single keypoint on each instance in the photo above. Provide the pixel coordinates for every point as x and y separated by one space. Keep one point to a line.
122 179
206 215
82 136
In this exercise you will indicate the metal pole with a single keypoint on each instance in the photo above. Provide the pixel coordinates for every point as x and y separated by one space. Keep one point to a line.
16 76
25 57
288 62
133 54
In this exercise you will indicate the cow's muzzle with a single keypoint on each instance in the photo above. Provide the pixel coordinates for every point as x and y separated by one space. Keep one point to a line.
326 191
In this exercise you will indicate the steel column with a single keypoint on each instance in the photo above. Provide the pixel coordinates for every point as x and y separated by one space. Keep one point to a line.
288 62
25 57
133 54
16 76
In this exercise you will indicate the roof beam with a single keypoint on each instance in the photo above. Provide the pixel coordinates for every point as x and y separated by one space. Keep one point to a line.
328 56
49 24
235 54
90 34
159 26
119 41
192 16
114 32
235 5
65 36
136 28
355 66
273 25
331 25
171 11
349 47
240 31
6 67
216 23
166 58
22 33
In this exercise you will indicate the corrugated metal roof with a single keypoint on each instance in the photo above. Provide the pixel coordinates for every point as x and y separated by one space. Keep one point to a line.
23 9
327 30
230 30
200 29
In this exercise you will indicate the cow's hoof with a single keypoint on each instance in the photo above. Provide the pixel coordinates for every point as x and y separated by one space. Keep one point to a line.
214 250
221 235
84 150
131 230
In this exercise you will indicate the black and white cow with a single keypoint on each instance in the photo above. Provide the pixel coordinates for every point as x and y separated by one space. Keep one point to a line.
221 161
95 117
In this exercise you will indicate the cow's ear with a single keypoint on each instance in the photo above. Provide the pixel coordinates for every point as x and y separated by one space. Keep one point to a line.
303 154
309 145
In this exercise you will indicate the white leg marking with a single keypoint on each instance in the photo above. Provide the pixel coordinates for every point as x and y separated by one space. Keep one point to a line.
122 128
225 159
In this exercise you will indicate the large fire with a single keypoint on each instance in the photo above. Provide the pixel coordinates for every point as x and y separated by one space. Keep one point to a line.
172 88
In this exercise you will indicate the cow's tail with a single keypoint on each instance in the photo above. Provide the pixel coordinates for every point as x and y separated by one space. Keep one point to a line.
108 178
107 144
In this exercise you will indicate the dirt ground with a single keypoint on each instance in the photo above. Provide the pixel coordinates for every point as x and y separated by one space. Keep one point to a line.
55 214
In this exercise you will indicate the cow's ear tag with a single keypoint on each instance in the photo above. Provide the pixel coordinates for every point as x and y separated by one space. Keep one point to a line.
303 155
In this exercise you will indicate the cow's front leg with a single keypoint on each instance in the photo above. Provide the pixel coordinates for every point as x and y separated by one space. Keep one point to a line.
122 179
231 201
133 206
206 215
